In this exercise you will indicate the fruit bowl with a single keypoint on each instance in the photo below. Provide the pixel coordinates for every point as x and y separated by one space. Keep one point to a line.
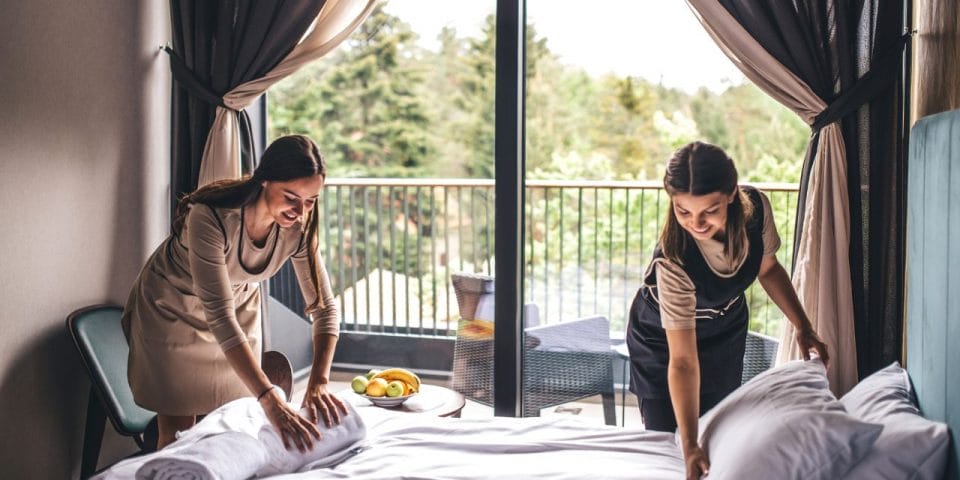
387 401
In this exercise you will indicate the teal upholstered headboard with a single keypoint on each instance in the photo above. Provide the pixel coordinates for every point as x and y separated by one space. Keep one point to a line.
933 271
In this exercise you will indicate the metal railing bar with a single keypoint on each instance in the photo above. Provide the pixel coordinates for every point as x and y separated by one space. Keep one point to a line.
393 256
378 203
610 257
460 225
532 257
596 248
353 256
579 250
433 250
546 253
366 235
560 256
341 272
626 249
406 261
419 224
446 245
489 193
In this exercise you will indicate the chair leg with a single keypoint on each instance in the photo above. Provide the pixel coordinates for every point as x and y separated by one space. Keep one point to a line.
92 435
609 408
148 442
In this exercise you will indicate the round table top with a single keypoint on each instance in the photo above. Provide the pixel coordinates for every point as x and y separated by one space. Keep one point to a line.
431 400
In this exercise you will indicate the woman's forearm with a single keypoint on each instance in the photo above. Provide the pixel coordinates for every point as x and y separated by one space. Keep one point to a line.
244 362
324 346
683 380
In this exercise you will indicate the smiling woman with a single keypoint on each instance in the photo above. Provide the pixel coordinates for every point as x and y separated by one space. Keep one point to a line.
688 323
193 316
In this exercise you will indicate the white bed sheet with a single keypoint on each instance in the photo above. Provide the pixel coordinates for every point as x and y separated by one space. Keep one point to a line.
416 446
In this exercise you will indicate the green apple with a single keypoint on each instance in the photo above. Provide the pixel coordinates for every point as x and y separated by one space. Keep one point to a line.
371 373
359 384
395 388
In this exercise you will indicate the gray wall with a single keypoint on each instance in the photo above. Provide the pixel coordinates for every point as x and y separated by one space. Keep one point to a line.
84 187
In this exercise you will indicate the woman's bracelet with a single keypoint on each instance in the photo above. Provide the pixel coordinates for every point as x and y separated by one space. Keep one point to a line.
265 392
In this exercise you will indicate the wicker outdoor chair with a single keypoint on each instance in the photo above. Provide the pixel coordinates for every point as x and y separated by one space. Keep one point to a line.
563 362
760 354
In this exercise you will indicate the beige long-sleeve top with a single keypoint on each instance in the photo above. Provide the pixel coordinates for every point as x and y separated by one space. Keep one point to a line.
197 296
677 295
215 274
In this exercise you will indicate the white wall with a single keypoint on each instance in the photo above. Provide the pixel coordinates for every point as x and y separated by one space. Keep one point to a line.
84 189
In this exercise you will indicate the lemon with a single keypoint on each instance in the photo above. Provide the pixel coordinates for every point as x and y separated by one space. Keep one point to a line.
377 387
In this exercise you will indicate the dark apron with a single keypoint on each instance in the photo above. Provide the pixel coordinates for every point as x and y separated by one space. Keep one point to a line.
722 319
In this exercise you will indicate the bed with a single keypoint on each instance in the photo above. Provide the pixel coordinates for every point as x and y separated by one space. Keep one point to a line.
784 423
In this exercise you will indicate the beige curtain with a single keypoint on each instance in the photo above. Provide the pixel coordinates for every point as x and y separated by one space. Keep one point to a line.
822 271
336 21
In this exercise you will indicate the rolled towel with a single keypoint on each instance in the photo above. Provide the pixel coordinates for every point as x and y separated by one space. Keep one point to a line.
230 455
237 441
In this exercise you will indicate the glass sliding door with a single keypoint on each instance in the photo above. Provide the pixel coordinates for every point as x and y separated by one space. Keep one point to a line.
403 114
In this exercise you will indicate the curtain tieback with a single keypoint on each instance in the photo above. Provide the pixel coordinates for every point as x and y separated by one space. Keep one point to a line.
878 79
185 77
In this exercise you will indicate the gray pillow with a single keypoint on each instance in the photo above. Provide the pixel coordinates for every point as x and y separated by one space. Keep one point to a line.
910 446
784 424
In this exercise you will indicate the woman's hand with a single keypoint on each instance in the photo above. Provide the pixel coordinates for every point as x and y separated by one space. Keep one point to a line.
293 428
321 404
697 462
808 340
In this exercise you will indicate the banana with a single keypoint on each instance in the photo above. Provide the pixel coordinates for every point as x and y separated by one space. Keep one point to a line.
402 374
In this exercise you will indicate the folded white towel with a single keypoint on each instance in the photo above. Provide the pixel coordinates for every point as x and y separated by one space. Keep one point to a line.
237 441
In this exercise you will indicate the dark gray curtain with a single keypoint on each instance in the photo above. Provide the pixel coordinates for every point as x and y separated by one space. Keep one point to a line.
850 54
218 45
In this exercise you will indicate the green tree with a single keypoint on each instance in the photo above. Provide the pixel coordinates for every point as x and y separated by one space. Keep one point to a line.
748 124
478 101
364 106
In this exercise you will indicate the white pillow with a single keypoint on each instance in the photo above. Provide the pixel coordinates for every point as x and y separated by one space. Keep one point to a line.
784 424
910 446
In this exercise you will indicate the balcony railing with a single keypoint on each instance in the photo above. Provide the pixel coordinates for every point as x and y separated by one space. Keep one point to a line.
390 246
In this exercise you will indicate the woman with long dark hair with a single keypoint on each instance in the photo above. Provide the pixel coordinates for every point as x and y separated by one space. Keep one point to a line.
689 319
192 319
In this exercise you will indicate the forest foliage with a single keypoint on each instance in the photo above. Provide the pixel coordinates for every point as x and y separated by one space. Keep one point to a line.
383 106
